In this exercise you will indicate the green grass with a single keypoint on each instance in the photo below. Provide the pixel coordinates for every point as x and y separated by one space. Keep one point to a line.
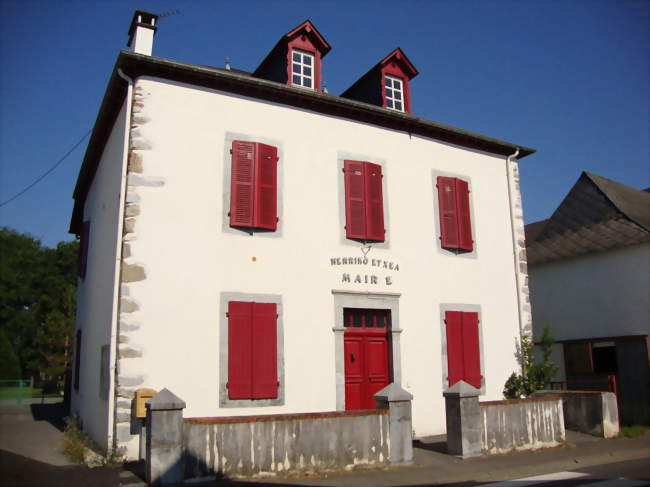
25 392
633 431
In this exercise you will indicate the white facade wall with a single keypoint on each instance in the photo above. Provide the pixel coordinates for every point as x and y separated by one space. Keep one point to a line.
190 255
603 294
95 293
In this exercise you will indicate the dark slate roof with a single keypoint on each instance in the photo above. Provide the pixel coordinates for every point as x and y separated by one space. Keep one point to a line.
597 215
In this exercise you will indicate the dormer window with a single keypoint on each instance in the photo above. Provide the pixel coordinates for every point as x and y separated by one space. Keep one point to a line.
394 93
302 69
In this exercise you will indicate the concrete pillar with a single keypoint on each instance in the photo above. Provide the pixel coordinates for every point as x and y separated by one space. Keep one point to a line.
398 403
463 423
164 462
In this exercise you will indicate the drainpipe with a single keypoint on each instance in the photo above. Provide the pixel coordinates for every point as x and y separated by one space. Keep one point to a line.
118 259
514 243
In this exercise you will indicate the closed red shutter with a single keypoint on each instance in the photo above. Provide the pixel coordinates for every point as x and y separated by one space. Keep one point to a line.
455 361
266 214
448 212
77 360
240 339
265 356
465 241
471 350
355 204
82 262
242 183
374 203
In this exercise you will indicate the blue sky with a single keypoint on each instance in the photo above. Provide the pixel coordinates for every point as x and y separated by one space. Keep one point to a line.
569 78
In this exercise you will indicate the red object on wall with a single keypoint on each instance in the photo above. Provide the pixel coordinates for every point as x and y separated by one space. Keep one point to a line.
367 358
463 348
455 218
82 261
364 204
253 185
398 65
252 350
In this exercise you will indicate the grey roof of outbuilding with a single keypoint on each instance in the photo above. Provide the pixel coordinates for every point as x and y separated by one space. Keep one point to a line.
597 215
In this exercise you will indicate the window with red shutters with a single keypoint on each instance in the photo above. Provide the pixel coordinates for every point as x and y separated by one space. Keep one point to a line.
77 360
463 348
82 261
253 185
252 350
455 218
364 203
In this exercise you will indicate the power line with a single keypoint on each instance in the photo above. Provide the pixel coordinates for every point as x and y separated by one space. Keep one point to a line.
44 175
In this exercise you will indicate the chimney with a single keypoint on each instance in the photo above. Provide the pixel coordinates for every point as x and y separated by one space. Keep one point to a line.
143 27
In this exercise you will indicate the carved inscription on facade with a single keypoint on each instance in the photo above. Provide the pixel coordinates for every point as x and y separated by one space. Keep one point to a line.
365 278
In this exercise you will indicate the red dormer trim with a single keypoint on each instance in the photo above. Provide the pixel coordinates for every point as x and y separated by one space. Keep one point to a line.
398 65
303 43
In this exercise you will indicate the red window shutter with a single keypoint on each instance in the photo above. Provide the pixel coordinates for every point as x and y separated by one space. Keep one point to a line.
455 361
355 203
266 214
471 350
82 262
240 339
374 203
242 183
465 241
77 360
448 212
265 356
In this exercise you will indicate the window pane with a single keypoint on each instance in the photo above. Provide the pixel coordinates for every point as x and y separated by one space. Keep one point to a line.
307 82
389 103
296 56
398 105
296 80
397 84
389 93
382 318
306 71
295 68
306 59
369 317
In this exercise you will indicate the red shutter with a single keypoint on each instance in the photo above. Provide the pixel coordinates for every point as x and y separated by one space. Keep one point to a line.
355 204
455 361
265 356
82 262
266 214
77 360
471 350
242 183
448 212
465 241
374 203
240 334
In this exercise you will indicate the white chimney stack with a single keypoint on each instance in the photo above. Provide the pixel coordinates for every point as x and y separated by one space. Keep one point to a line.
143 27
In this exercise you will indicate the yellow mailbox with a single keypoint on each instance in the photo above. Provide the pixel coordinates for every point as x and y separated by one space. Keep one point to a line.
141 396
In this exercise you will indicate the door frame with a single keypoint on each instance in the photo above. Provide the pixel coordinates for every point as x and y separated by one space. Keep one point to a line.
351 299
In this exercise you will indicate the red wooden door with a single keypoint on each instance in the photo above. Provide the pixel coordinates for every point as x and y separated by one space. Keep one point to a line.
367 358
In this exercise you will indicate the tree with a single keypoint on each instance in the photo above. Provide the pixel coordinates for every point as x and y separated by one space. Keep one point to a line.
37 302
535 376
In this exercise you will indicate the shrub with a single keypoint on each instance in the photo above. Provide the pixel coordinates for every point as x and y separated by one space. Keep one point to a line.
75 442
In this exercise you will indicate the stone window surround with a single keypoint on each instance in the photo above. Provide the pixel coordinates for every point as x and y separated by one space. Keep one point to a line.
475 308
352 299
224 401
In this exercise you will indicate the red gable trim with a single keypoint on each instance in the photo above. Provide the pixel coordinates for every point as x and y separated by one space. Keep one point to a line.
317 39
406 66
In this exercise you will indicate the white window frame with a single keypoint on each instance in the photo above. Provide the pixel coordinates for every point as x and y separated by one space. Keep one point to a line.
301 65
396 85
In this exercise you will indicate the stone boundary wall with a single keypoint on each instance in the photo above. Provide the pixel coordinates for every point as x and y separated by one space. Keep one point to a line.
266 445
521 424
595 413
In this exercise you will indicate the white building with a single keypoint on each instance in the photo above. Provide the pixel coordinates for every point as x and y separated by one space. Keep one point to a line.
589 269
258 246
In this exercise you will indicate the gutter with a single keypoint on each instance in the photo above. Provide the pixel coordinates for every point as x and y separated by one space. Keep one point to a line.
112 398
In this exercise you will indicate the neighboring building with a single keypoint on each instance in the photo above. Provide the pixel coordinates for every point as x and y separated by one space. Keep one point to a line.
259 246
589 271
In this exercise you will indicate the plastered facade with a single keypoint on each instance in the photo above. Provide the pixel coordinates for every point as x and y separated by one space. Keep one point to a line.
179 256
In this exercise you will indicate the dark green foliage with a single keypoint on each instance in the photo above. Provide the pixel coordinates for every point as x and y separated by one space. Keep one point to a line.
9 364
536 376
37 303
